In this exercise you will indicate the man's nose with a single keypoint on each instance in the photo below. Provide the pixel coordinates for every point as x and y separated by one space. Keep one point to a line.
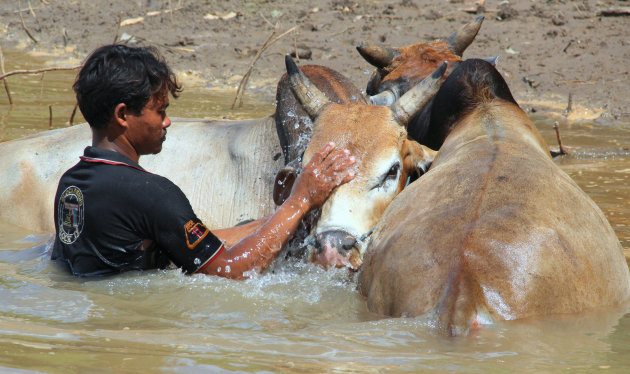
166 123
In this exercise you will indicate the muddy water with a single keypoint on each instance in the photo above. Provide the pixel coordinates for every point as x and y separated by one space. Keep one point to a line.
298 319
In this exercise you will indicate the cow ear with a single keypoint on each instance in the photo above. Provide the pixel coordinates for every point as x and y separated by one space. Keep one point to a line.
283 184
416 157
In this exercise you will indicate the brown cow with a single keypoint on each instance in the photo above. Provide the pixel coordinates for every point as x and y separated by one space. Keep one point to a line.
495 230
399 69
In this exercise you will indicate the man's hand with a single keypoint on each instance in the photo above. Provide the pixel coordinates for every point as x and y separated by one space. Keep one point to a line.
325 171
264 241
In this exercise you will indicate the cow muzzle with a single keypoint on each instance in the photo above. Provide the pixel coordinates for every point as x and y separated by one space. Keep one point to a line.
336 248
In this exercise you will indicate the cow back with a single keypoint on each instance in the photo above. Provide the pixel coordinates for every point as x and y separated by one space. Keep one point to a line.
494 231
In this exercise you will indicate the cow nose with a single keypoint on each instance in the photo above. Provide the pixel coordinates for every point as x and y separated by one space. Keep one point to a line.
340 240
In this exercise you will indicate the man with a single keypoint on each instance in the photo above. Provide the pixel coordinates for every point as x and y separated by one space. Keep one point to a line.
111 215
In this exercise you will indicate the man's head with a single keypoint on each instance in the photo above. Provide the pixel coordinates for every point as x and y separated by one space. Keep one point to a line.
115 74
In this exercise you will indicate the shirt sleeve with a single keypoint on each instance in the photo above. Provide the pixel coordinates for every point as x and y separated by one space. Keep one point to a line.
173 225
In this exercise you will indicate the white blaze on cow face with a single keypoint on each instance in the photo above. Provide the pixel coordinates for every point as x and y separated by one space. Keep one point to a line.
356 206
380 145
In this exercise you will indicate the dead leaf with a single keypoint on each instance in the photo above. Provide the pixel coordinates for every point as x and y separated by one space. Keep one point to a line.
225 17
131 21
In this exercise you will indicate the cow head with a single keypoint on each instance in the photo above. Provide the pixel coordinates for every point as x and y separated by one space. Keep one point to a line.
377 137
293 125
399 69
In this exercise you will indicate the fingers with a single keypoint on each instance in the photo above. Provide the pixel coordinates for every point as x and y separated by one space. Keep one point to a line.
337 159
337 167
327 170
322 153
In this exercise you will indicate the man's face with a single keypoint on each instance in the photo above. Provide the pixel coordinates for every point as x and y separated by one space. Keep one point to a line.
147 130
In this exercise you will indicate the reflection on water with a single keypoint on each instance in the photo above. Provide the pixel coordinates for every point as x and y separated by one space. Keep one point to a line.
298 319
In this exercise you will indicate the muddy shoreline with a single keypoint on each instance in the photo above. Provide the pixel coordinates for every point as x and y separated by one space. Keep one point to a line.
547 50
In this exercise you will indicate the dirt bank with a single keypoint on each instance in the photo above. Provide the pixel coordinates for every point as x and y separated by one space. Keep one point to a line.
548 49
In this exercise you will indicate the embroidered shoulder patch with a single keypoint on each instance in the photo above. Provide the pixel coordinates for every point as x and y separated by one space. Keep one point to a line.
195 232
70 214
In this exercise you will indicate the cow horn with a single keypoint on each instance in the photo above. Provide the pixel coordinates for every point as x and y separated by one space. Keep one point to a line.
379 57
492 60
461 39
387 97
284 183
311 98
414 100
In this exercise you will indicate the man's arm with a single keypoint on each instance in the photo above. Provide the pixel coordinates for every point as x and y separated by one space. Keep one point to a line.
232 235
256 251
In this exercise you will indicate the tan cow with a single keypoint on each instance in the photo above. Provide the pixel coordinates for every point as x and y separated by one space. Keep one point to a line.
225 168
495 230
377 136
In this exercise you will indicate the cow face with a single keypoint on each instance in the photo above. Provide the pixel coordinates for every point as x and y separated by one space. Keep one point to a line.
399 69
385 160
377 137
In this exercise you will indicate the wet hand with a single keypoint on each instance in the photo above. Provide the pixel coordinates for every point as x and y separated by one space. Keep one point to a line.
326 170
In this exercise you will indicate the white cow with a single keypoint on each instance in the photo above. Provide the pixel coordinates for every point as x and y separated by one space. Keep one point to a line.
225 168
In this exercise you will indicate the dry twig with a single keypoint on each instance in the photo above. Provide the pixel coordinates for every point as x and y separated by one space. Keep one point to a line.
615 12
37 71
118 27
50 117
23 24
41 88
561 151
6 84
297 55
268 43
74 111
569 107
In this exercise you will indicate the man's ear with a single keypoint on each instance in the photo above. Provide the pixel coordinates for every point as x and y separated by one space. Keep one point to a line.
120 115
417 158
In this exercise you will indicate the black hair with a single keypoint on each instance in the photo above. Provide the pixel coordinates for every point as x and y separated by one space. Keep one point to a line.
117 73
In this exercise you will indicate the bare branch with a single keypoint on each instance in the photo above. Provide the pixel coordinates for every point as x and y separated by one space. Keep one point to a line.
118 27
297 55
561 151
614 12
50 117
74 111
268 43
23 24
37 71
569 107
6 84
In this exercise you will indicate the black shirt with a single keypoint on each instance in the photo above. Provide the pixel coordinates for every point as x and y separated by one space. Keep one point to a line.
107 205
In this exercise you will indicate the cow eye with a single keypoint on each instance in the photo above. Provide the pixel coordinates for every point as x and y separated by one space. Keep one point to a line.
393 172
391 175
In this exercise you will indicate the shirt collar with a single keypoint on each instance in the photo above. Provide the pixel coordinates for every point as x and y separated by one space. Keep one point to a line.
105 154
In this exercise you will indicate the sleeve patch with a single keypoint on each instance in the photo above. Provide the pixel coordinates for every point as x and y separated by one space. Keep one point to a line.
195 232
